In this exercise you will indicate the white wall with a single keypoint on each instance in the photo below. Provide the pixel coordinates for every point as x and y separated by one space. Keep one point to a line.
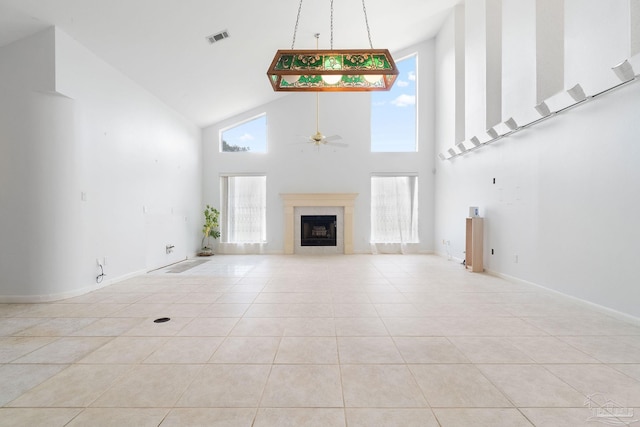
84 154
592 44
519 58
566 191
296 168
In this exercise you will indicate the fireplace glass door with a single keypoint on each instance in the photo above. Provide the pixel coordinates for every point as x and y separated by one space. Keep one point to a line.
318 230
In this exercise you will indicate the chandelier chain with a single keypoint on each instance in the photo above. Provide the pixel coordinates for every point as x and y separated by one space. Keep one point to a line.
295 30
331 24
366 20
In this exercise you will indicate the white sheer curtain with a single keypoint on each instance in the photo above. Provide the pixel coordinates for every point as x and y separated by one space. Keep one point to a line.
394 213
244 200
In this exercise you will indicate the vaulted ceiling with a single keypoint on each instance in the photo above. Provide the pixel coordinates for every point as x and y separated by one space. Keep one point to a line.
161 44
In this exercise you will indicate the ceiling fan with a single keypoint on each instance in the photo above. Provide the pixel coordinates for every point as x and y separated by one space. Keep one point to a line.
318 138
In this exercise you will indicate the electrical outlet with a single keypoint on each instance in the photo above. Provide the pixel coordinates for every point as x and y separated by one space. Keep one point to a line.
104 261
515 259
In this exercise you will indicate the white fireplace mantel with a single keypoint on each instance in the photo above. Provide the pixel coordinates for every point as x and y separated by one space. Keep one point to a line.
293 200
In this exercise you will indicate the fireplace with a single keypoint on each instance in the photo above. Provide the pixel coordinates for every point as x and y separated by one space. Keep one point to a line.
339 205
318 230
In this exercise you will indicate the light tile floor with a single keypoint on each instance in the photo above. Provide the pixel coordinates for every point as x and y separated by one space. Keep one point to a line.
362 340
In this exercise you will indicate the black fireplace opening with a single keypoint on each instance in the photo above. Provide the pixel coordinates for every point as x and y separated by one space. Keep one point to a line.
318 230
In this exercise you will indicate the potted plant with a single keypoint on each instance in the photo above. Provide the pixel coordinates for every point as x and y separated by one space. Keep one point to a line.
209 230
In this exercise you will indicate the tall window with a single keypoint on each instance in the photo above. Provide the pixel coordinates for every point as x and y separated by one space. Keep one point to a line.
393 113
250 135
394 209
243 214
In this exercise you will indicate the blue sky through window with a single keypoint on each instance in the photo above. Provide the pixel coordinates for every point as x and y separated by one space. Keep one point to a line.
393 113
249 136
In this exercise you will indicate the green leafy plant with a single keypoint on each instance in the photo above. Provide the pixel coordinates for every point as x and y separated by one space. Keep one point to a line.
210 227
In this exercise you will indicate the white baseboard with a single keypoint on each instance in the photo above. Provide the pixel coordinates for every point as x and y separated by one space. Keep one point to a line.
34 299
449 257
625 317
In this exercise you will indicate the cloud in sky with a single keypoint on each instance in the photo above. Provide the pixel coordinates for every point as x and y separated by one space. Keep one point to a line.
404 100
246 137
412 76
402 83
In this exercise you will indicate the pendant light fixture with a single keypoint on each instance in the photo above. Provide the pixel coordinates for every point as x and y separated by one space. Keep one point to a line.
347 70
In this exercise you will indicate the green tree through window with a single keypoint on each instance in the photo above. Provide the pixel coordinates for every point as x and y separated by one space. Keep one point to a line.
231 148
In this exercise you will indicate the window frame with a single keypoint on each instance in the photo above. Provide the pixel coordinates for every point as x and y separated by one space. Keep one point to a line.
243 122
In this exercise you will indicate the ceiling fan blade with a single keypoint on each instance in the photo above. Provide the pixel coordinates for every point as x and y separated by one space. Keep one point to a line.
333 138
338 144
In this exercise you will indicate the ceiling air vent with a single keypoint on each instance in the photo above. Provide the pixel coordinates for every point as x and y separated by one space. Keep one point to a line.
218 36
